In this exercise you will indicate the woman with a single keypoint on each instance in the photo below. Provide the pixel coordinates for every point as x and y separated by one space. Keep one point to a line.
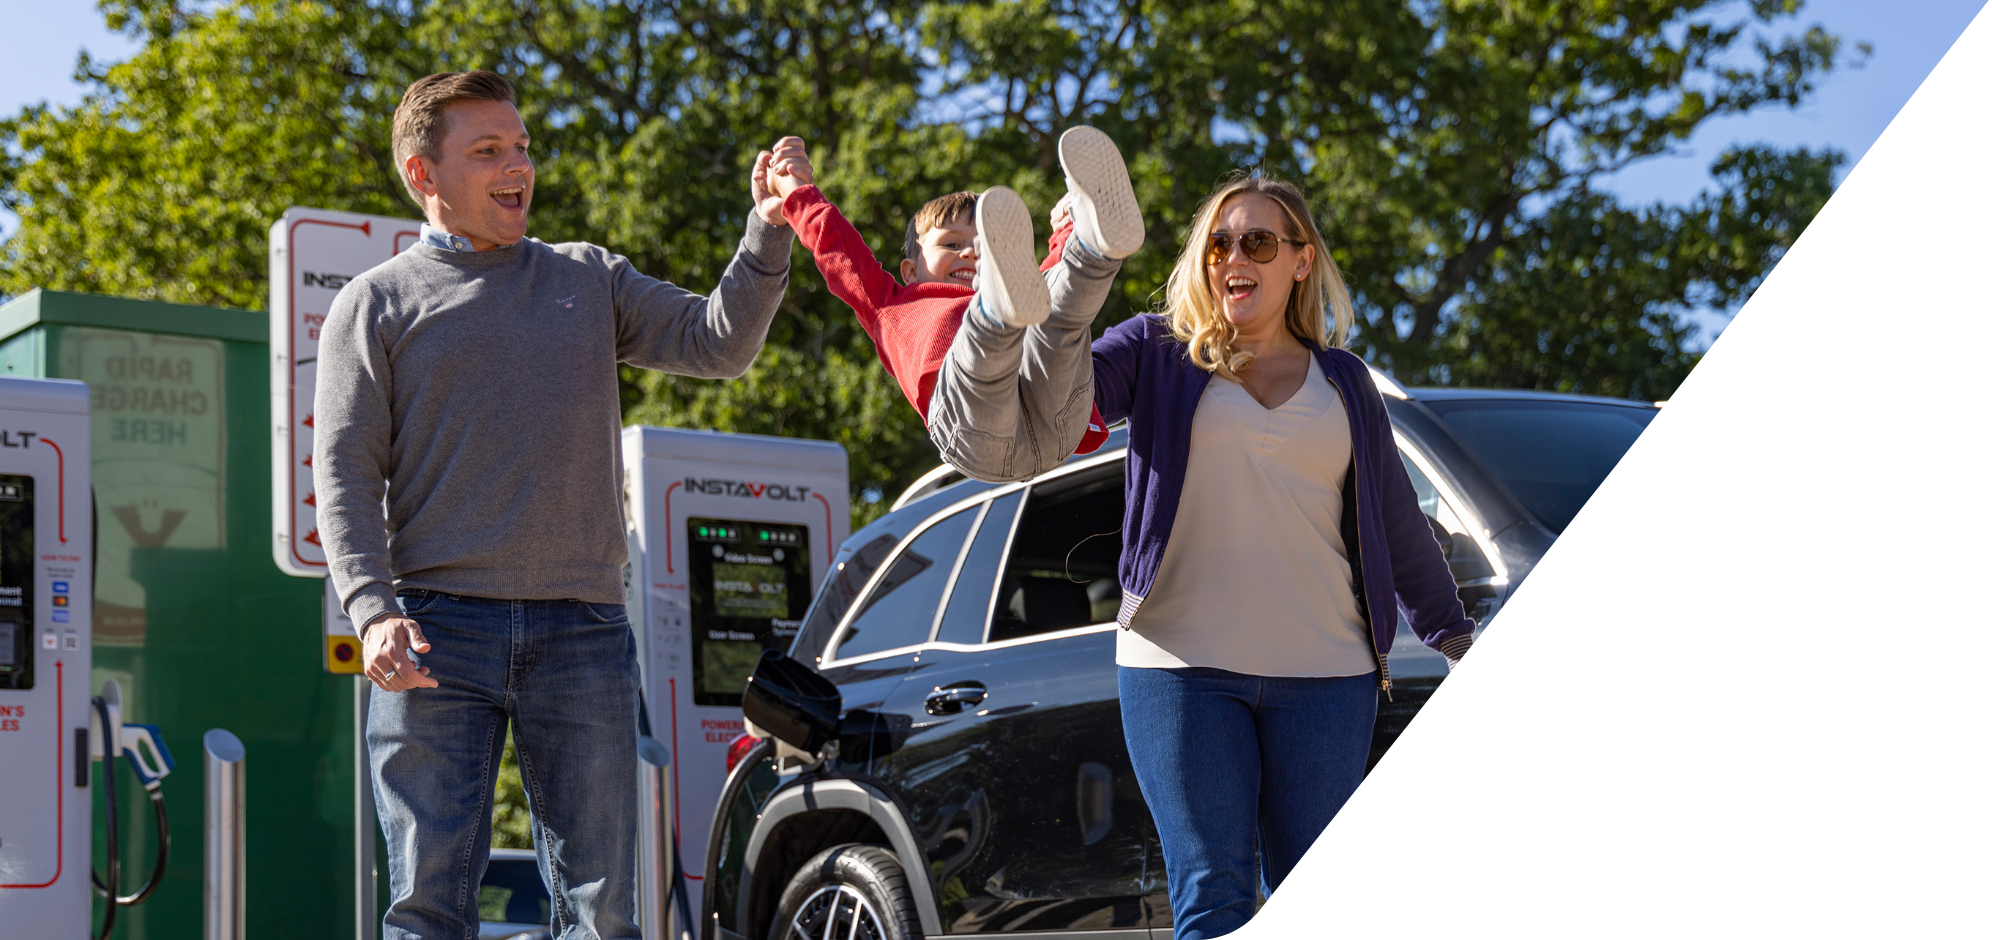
1271 535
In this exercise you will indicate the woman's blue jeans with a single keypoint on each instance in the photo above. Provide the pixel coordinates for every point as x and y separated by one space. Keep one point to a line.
1241 773
563 675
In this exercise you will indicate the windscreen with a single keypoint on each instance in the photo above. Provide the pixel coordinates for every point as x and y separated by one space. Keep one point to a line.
1551 455
17 594
749 587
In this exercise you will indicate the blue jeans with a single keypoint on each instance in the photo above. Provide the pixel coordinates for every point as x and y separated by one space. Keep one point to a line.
563 674
1241 773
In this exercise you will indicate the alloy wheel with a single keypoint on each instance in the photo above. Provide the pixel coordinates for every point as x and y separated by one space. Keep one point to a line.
835 912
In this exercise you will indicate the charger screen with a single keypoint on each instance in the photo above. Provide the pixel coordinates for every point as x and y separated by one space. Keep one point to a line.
17 581
749 585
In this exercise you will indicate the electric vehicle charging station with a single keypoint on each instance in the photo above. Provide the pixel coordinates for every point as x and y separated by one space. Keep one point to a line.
46 720
183 608
51 729
729 536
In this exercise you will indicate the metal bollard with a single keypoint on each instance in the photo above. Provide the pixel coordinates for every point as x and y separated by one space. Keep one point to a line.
366 821
653 912
224 876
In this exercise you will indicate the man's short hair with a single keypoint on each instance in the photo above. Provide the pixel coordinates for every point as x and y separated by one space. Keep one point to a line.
418 121
933 215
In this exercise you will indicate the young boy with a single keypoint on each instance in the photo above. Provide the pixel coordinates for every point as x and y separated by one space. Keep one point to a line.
976 319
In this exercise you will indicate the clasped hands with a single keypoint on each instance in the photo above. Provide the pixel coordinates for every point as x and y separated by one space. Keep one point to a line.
777 173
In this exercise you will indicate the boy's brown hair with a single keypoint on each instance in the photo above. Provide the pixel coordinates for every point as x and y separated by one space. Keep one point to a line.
418 120
936 213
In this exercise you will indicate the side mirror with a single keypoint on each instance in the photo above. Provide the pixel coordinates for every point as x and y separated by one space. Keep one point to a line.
792 703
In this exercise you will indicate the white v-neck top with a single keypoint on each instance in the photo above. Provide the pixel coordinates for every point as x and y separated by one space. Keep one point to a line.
1256 578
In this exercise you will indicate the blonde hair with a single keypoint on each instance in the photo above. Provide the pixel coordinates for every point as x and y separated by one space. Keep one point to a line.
1191 306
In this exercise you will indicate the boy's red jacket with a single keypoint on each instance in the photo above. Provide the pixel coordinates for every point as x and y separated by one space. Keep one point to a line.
911 324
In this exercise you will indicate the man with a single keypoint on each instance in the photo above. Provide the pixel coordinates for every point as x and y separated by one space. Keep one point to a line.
470 384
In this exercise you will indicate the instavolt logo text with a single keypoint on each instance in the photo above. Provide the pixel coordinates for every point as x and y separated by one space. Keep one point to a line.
746 490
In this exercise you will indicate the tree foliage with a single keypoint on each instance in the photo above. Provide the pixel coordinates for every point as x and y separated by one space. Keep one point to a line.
1455 150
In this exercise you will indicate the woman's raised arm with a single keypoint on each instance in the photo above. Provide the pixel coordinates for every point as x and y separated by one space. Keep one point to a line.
1117 367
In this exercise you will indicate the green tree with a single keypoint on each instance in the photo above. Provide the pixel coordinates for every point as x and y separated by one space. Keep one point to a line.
1454 149
1447 146
164 182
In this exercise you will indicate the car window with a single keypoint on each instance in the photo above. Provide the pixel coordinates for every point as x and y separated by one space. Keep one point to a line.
967 616
1428 495
513 893
1550 454
839 590
900 609
1480 579
1064 558
1462 552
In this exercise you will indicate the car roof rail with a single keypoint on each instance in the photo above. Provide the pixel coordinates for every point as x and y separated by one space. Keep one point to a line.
928 482
1388 385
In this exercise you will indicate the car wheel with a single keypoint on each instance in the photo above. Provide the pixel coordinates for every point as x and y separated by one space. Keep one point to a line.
848 892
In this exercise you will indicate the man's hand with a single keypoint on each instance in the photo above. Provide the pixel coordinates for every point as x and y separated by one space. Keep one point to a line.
385 652
778 173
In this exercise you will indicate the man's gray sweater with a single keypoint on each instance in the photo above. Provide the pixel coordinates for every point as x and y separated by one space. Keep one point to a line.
476 393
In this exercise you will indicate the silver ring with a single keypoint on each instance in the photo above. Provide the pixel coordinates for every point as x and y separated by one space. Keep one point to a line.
388 674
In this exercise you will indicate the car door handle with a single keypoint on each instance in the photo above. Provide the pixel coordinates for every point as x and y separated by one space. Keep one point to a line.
951 699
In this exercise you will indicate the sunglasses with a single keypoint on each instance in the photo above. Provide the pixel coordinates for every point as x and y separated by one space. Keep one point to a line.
1259 245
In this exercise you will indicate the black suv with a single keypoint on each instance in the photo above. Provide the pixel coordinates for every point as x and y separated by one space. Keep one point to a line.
966 774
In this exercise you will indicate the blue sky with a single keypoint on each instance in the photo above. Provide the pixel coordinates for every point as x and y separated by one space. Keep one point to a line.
1849 111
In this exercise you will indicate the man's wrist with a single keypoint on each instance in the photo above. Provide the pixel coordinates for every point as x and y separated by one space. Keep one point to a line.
768 244
377 618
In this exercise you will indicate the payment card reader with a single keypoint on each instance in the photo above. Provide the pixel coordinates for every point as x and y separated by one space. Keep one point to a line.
729 536
45 708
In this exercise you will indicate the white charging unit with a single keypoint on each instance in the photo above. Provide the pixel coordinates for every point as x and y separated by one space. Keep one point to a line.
45 561
729 536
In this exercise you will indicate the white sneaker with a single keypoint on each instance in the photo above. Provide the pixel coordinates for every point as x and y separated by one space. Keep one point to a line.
1105 216
1006 270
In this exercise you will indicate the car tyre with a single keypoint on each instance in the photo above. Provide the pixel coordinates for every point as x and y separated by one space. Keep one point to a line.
852 891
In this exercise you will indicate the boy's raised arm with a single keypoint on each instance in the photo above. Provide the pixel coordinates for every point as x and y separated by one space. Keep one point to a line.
848 265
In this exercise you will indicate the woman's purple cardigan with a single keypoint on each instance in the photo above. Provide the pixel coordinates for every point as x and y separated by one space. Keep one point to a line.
1143 375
